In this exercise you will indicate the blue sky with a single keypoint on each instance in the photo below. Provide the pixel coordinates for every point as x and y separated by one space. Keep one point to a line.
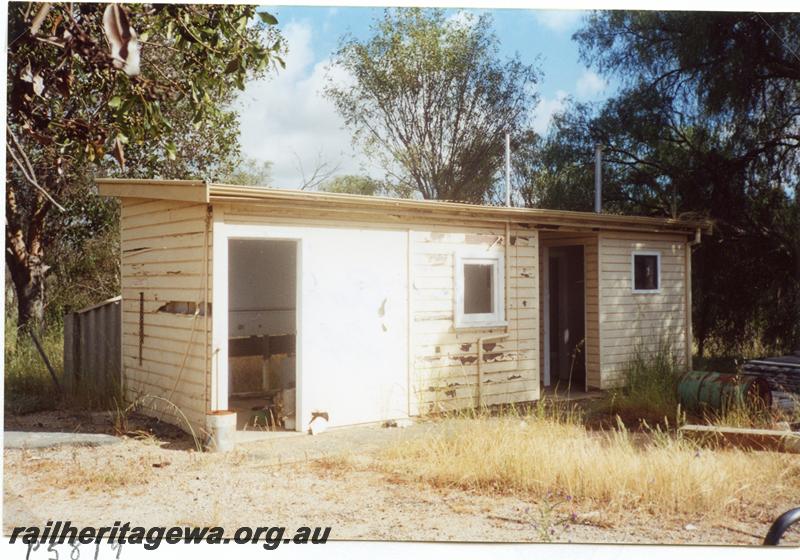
286 120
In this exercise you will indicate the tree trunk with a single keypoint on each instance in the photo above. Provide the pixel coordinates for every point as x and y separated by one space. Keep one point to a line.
24 259
28 280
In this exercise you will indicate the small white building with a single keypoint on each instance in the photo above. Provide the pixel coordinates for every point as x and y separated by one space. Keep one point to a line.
281 304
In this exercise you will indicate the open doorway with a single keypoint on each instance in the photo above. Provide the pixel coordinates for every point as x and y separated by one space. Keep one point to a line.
565 332
262 333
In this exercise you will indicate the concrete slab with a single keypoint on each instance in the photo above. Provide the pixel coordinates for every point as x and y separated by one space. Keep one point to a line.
34 440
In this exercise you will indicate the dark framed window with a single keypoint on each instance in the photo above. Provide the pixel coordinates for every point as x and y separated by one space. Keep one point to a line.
478 294
646 272
479 285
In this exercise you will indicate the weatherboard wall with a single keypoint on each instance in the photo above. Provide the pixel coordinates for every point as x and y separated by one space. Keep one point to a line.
162 260
642 323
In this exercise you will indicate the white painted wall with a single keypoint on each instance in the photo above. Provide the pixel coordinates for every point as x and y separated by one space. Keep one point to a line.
352 344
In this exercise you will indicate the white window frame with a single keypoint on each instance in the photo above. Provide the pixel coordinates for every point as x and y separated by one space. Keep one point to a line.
656 254
473 320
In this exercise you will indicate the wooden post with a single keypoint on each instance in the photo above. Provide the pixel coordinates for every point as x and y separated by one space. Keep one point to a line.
45 360
141 325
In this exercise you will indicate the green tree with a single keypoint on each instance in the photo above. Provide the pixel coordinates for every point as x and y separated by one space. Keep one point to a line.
354 184
432 100
251 172
707 121
139 90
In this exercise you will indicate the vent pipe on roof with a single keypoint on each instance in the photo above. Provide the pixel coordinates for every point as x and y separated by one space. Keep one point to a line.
508 169
598 178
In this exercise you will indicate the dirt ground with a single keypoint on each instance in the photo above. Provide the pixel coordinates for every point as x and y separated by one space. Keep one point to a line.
155 478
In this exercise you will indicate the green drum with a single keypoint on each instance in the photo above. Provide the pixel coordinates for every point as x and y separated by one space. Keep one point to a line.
699 390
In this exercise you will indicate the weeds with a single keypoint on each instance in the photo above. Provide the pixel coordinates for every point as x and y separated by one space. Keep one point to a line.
28 386
619 470
650 389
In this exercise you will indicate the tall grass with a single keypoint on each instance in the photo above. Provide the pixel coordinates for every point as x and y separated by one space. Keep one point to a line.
28 385
649 390
616 470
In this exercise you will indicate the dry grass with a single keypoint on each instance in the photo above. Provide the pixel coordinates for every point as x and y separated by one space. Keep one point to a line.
91 476
545 456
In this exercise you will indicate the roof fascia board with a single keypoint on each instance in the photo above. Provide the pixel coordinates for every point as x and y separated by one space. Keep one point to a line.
188 191
391 210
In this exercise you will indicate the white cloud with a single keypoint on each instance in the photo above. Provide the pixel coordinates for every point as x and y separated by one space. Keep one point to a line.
464 18
589 85
285 117
545 110
559 20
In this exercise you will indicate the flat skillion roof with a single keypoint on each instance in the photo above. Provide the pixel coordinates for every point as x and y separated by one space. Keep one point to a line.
353 206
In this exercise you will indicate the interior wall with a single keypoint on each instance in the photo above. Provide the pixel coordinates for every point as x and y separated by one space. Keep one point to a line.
262 290
262 309
592 297
567 317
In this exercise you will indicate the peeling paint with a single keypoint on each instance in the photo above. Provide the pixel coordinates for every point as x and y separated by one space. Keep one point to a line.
437 259
489 346
181 308
480 239
466 346
136 249
468 359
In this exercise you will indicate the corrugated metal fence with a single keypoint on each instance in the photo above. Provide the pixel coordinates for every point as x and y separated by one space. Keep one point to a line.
93 347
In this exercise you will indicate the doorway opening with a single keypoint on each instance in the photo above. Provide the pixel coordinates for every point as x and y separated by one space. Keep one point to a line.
565 329
262 333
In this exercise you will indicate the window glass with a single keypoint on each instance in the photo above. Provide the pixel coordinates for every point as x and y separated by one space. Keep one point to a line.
645 272
478 288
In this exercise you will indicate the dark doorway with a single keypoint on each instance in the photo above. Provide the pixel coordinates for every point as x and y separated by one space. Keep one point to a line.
566 328
262 332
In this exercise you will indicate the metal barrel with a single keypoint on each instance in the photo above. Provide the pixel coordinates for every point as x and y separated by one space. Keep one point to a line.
700 390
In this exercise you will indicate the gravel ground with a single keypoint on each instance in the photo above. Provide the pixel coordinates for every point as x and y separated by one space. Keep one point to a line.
145 483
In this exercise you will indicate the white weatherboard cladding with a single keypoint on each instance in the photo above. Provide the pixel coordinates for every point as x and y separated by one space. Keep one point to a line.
352 344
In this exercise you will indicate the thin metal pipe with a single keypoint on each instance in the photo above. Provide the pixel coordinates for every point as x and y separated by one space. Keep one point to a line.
598 178
508 169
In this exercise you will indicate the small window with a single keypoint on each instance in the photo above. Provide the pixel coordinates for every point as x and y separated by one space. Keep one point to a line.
646 272
479 291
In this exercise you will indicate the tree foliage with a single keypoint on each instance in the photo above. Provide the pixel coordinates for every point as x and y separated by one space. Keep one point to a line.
707 121
79 104
365 186
432 100
251 172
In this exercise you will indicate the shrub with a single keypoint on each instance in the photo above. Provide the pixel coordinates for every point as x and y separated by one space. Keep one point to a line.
650 389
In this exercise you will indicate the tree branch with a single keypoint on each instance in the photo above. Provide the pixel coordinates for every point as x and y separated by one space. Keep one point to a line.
28 172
